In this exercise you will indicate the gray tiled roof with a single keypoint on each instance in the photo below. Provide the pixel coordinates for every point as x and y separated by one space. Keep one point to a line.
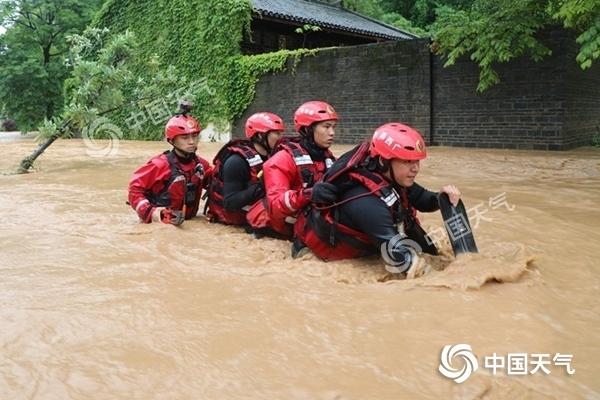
326 16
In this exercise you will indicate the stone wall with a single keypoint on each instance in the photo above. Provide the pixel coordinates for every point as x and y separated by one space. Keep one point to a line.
547 105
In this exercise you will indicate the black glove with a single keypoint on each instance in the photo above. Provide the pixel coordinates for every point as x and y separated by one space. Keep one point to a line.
324 193
258 190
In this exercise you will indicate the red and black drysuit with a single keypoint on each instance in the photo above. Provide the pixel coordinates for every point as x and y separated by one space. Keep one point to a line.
289 174
158 183
235 184
366 215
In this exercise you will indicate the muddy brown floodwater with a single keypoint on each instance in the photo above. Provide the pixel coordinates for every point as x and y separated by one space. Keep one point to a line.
94 305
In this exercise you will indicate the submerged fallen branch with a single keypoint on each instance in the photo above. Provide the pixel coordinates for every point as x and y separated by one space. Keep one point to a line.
28 161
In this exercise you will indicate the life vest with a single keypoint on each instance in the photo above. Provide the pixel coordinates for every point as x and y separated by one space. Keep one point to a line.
215 209
193 187
318 227
309 170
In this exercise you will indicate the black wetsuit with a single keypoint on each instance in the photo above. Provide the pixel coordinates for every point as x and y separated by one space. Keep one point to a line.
237 190
370 215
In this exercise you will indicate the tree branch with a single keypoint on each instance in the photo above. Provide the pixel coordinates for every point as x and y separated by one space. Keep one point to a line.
19 22
59 53
26 16
28 161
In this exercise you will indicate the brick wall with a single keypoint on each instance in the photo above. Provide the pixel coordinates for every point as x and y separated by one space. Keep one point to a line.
525 111
582 103
368 85
548 105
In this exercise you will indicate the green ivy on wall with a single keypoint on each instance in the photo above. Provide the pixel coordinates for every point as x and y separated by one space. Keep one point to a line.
200 41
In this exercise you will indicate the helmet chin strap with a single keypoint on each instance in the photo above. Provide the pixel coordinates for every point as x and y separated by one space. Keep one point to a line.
263 139
386 166
316 152
392 174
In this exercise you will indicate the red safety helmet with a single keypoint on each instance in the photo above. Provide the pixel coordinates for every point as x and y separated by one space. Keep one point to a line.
311 112
263 122
396 140
181 125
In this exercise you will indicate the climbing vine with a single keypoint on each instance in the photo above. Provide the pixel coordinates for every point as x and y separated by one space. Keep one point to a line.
200 39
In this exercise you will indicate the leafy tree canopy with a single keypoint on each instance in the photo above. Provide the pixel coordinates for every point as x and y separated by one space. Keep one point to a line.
491 31
32 55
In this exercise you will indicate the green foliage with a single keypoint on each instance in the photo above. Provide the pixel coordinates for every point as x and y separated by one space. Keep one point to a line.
421 13
490 31
245 72
584 17
395 13
402 23
306 28
196 37
497 31
100 68
32 53
104 84
200 41
371 8
413 16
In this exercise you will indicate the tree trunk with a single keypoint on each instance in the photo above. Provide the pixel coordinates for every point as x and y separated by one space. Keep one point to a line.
46 61
49 110
27 162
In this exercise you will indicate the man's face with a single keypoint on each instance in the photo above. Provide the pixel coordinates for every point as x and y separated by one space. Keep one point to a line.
187 143
324 133
405 171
